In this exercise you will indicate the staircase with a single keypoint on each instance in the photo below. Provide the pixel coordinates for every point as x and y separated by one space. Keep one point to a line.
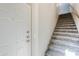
65 39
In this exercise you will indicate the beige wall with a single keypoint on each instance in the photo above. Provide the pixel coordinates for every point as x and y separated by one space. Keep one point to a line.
75 12
44 22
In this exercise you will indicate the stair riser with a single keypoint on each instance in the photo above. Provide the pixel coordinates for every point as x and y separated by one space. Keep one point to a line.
77 36
68 31
65 28
65 23
66 20
65 39
67 35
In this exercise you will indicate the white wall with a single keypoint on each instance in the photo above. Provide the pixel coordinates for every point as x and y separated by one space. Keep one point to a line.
75 12
44 22
63 8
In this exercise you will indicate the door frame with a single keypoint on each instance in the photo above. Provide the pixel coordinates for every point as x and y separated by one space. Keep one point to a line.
29 5
35 29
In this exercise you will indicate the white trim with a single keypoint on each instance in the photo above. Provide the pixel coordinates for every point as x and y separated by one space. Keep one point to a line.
35 20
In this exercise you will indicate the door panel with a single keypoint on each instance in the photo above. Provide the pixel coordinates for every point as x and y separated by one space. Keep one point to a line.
15 21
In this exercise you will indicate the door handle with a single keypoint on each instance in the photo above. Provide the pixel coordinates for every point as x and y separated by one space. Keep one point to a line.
28 36
28 31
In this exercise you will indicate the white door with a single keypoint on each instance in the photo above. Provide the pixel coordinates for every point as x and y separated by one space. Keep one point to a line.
15 29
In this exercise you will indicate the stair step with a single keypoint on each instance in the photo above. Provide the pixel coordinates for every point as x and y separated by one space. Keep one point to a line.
66 19
67 24
54 53
66 30
63 48
63 42
68 38
65 39
66 34
57 48
62 18
65 27
59 27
